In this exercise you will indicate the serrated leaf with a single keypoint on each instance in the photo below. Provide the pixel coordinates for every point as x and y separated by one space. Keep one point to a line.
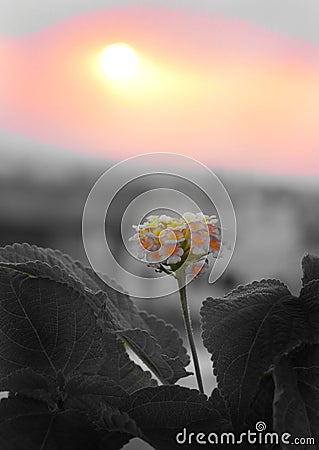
165 412
169 346
28 383
22 253
296 401
306 366
95 396
46 326
26 379
247 329
158 344
92 392
172 349
102 398
218 406
53 266
115 420
309 316
216 421
296 406
167 407
262 405
308 385
120 368
115 310
167 336
26 424
116 427
149 350
119 426
310 268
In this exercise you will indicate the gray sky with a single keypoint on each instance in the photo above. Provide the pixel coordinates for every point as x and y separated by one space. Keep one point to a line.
299 18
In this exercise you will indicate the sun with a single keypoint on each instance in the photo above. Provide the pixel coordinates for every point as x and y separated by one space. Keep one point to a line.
119 61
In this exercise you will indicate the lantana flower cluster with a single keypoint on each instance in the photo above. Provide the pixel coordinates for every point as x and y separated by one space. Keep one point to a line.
166 243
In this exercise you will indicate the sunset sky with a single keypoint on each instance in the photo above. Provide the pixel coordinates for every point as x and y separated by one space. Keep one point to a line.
233 87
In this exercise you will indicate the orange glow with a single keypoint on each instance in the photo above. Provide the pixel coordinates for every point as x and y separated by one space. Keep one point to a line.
225 92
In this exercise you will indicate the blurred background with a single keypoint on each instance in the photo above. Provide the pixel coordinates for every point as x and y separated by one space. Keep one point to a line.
234 86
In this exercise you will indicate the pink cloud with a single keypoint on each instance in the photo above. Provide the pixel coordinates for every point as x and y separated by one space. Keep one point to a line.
226 92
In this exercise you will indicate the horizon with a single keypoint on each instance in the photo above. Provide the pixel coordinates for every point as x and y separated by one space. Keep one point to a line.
41 160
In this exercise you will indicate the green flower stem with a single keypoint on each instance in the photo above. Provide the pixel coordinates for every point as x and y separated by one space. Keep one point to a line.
189 331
